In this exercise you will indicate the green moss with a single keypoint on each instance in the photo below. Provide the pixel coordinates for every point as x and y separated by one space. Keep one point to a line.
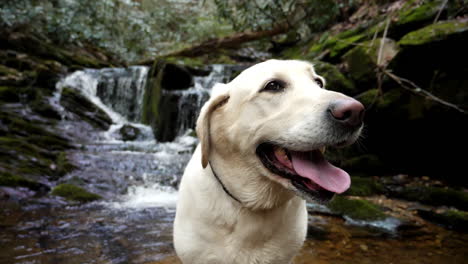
362 60
153 90
422 13
434 32
74 193
295 52
343 45
11 180
63 165
356 209
434 196
369 97
336 81
452 219
78 104
364 187
4 71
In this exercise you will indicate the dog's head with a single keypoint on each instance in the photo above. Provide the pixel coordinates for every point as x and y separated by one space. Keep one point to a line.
269 127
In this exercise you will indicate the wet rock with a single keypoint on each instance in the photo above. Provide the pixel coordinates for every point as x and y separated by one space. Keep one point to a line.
78 104
356 209
63 164
9 94
41 105
164 107
74 193
364 187
433 196
28 149
176 77
335 80
452 219
7 179
129 132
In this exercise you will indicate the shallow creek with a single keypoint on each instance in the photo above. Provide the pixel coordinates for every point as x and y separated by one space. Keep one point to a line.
138 180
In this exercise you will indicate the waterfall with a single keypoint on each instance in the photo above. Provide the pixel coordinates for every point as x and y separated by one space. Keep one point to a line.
190 101
117 91
143 171
123 90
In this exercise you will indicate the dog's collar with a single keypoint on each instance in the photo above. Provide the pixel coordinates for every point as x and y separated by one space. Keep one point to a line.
222 185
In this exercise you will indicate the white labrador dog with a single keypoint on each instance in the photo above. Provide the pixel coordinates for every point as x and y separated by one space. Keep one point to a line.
261 142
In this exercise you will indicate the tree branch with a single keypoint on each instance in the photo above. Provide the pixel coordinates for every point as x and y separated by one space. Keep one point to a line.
411 86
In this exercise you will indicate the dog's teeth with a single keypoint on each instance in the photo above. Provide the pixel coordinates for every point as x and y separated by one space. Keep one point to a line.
282 153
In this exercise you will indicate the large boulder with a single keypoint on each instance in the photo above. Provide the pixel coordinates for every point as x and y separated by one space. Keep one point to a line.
362 61
160 107
73 101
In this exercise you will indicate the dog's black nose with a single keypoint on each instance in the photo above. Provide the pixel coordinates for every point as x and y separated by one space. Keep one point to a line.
347 111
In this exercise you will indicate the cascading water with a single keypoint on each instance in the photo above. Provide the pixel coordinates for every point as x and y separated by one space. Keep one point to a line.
190 101
137 178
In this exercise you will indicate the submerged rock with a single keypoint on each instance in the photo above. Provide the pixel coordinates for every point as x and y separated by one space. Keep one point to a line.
129 132
74 193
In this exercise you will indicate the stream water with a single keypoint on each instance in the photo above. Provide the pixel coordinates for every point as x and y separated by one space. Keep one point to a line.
138 180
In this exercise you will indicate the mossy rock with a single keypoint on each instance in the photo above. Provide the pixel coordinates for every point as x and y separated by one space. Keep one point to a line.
390 100
74 193
10 180
433 196
434 33
452 219
152 95
364 187
28 149
411 17
335 80
356 209
362 60
78 104
63 164
335 45
343 45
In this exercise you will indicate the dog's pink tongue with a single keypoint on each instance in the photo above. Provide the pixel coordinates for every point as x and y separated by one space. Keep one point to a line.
314 167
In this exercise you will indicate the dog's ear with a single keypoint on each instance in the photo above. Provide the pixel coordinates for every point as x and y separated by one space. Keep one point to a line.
219 96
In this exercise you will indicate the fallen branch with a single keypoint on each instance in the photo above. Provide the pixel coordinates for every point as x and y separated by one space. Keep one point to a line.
232 41
442 7
411 86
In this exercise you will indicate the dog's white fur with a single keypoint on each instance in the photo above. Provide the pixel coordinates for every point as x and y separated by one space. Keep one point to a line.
270 223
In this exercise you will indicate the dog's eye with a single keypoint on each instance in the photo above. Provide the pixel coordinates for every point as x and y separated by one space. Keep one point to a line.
274 86
319 82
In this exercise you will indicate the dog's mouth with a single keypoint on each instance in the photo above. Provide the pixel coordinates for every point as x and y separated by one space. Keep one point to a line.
309 172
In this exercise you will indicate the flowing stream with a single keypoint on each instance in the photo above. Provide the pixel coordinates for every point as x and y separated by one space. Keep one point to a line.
138 180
